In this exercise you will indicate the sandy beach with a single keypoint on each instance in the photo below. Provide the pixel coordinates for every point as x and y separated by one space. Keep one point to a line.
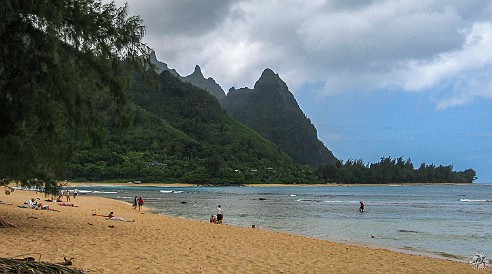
161 244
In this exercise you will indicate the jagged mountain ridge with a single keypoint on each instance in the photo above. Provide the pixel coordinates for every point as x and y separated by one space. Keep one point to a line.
196 78
270 109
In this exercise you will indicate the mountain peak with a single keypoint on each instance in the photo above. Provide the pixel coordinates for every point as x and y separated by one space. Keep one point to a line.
271 109
198 71
270 81
268 73
209 84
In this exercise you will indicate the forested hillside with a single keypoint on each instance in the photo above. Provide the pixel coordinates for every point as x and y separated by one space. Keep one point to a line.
177 132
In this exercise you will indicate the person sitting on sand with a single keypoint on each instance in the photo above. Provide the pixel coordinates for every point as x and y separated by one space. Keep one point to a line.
32 203
213 219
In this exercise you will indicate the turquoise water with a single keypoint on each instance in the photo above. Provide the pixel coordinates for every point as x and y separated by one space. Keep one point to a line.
452 221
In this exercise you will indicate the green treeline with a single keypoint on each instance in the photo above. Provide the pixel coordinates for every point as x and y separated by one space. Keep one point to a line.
389 170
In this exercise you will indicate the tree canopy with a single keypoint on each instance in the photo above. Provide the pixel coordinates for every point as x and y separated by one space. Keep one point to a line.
56 58
389 170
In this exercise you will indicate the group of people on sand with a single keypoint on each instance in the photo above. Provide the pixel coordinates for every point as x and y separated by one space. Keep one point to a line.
138 202
35 203
67 195
217 218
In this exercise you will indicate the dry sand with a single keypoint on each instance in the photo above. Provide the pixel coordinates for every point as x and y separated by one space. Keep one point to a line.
160 244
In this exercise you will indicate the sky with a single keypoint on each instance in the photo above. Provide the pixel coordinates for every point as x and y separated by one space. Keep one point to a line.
377 78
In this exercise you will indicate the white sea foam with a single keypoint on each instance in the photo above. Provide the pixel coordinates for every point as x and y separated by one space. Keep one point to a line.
171 191
85 191
479 201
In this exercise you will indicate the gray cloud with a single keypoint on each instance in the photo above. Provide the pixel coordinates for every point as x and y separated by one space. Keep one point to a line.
180 17
349 45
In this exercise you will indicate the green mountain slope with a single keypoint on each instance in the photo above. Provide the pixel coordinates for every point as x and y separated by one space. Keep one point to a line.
271 110
179 133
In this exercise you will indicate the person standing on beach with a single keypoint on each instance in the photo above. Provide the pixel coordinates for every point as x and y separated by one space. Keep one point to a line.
67 195
361 208
140 203
75 192
220 215
135 202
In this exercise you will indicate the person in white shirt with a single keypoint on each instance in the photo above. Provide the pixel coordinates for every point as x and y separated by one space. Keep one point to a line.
220 215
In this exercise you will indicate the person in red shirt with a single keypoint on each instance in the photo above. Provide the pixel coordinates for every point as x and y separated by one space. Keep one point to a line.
140 203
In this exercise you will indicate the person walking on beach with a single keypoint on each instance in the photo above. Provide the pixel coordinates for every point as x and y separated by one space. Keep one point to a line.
135 202
361 208
220 215
140 203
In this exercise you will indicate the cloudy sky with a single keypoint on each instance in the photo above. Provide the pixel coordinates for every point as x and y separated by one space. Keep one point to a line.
410 78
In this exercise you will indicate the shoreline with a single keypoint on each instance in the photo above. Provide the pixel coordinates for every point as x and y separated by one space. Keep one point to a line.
73 184
173 244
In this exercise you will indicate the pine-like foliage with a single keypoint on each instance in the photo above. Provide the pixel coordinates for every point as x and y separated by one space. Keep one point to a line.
56 56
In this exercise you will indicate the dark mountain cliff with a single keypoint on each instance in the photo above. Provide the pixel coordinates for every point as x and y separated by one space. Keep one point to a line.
209 84
271 110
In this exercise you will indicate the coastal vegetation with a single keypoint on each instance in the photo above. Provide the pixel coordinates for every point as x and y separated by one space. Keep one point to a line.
389 170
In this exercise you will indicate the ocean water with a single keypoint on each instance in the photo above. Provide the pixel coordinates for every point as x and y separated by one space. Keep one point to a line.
452 221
